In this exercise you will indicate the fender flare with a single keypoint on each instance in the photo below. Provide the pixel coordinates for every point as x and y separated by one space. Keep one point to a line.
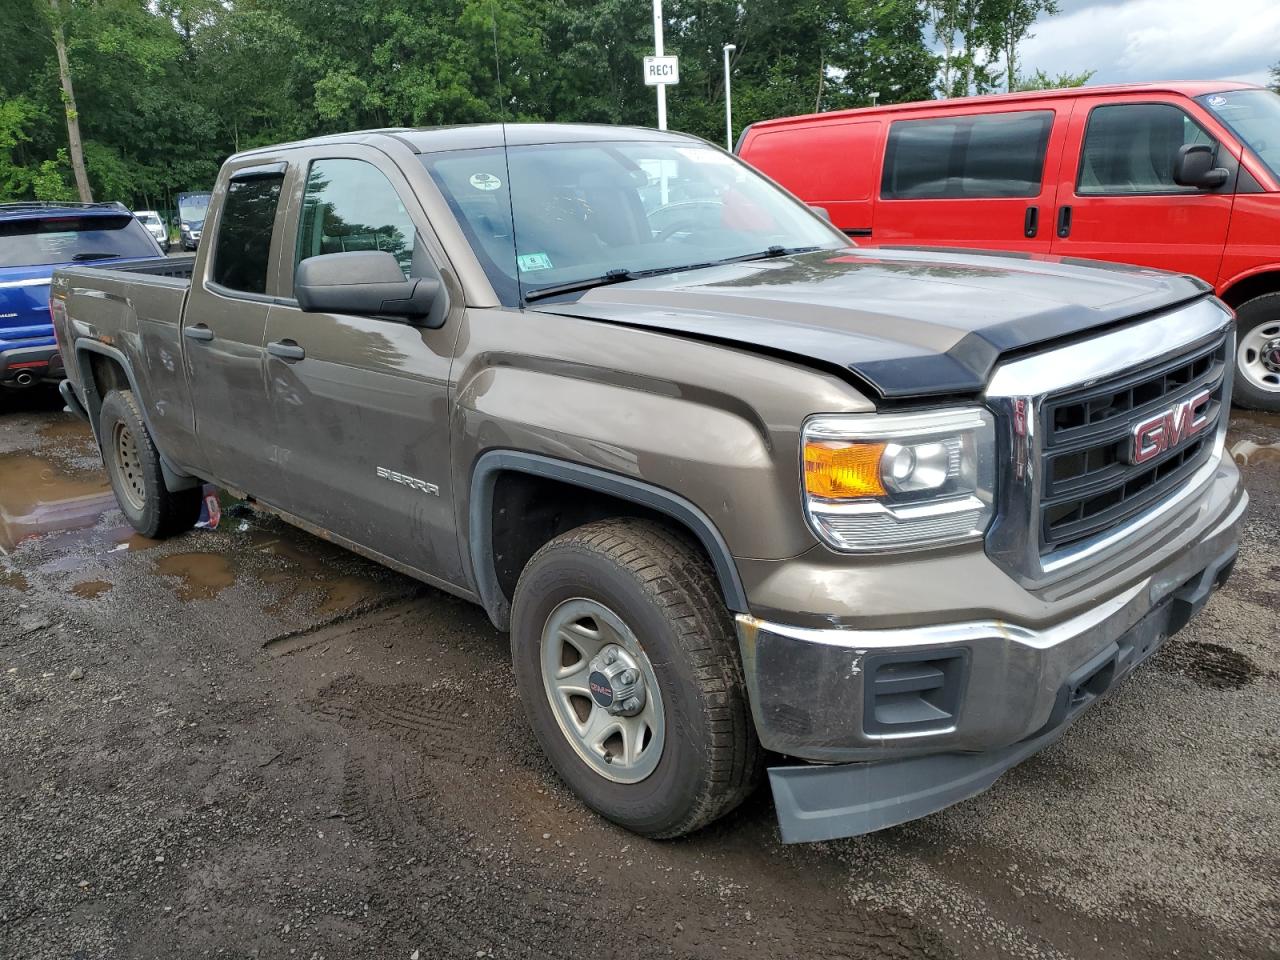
480 520
174 478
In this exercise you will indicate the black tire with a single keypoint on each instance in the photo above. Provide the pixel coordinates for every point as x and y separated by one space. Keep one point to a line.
1259 317
150 507
663 589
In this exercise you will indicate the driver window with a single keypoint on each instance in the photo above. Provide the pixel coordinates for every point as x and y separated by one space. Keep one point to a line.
1130 148
349 205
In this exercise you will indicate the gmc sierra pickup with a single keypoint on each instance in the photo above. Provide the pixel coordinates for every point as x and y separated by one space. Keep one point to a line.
896 517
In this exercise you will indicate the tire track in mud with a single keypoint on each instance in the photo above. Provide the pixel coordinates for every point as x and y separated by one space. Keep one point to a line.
428 771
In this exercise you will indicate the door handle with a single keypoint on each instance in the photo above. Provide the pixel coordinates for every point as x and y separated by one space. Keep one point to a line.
1031 222
198 332
1064 221
286 350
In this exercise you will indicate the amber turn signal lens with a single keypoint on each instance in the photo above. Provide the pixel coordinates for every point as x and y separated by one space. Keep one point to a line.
835 470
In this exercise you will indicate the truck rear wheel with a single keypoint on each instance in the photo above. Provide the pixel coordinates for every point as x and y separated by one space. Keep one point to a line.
626 660
133 467
1257 383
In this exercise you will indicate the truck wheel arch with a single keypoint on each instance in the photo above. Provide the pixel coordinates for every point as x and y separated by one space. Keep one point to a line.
1256 284
96 360
644 498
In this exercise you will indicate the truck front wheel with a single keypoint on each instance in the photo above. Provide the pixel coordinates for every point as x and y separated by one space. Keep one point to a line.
133 467
625 658
1257 383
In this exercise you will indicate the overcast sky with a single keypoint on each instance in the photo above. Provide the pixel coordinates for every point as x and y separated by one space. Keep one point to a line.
1138 40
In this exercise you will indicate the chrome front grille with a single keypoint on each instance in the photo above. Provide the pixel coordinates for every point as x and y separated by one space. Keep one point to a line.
1071 491
1088 483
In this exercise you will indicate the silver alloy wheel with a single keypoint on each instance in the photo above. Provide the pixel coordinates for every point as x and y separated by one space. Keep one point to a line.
602 690
129 466
1259 356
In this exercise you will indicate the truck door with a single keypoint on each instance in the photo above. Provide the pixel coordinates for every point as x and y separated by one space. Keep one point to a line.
1117 199
223 329
983 180
361 402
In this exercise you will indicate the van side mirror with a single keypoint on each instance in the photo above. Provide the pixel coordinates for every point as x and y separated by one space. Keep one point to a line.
364 283
1194 167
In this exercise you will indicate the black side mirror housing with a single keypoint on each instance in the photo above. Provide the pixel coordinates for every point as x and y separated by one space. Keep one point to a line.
1194 167
366 283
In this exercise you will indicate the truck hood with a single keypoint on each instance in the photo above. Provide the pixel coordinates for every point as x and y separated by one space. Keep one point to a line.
907 321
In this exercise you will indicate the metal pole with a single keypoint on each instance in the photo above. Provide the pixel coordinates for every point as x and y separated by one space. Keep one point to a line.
728 100
657 52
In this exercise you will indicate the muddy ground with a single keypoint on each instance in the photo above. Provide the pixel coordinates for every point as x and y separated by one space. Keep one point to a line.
249 743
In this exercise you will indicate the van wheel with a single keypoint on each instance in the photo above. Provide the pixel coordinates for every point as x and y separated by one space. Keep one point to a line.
626 660
1257 383
133 467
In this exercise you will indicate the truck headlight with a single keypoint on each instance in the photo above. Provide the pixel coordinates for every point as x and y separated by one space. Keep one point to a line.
899 481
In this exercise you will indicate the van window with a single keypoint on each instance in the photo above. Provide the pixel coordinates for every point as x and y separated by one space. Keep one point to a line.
989 155
349 205
243 247
1131 148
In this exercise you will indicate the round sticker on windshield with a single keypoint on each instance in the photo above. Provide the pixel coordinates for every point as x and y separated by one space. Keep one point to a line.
1217 101
485 181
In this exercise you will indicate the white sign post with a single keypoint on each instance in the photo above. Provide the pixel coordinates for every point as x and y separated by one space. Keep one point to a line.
660 64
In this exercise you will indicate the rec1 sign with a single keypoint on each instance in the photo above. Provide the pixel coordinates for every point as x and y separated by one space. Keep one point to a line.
661 71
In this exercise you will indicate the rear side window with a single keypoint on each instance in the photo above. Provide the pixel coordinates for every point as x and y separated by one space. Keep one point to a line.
1131 148
991 155
243 247
73 239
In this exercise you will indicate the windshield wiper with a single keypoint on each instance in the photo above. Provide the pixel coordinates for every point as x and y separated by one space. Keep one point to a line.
95 255
617 275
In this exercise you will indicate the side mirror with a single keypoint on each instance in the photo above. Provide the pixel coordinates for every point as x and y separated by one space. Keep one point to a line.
364 283
823 212
1194 167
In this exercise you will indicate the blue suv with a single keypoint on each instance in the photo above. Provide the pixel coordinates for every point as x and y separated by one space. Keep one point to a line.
35 238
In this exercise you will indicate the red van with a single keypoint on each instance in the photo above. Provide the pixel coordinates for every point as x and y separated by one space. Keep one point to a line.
1180 176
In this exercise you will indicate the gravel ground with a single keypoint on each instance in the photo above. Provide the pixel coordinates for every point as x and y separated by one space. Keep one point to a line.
249 743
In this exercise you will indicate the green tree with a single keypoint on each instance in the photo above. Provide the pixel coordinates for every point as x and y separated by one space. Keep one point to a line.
1043 81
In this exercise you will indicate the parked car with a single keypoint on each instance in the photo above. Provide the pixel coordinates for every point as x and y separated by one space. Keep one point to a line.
155 226
191 212
897 516
1181 176
35 238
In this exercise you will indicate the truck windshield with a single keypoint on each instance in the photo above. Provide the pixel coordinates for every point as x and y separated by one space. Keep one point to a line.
193 206
1254 117
73 238
578 214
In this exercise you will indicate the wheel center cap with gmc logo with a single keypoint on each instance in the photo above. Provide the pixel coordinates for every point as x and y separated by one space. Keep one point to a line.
601 689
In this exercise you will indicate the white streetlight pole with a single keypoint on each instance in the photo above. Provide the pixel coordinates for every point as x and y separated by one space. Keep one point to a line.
657 52
728 100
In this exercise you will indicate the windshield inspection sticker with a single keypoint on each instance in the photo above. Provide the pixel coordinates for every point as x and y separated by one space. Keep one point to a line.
485 181
528 262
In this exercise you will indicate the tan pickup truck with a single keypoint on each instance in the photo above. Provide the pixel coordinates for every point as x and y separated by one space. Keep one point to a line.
891 519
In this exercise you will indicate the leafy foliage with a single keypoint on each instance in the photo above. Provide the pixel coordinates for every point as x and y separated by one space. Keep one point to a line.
166 89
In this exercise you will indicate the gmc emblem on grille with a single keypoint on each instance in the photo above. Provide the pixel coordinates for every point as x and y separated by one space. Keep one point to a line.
1166 430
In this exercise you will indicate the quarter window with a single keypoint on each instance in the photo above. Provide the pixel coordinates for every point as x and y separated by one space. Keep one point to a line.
243 247
349 205
990 155
1131 148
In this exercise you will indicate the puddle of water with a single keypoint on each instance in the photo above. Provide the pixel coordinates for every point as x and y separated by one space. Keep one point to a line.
1246 453
337 593
90 589
14 579
69 428
202 576
38 496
